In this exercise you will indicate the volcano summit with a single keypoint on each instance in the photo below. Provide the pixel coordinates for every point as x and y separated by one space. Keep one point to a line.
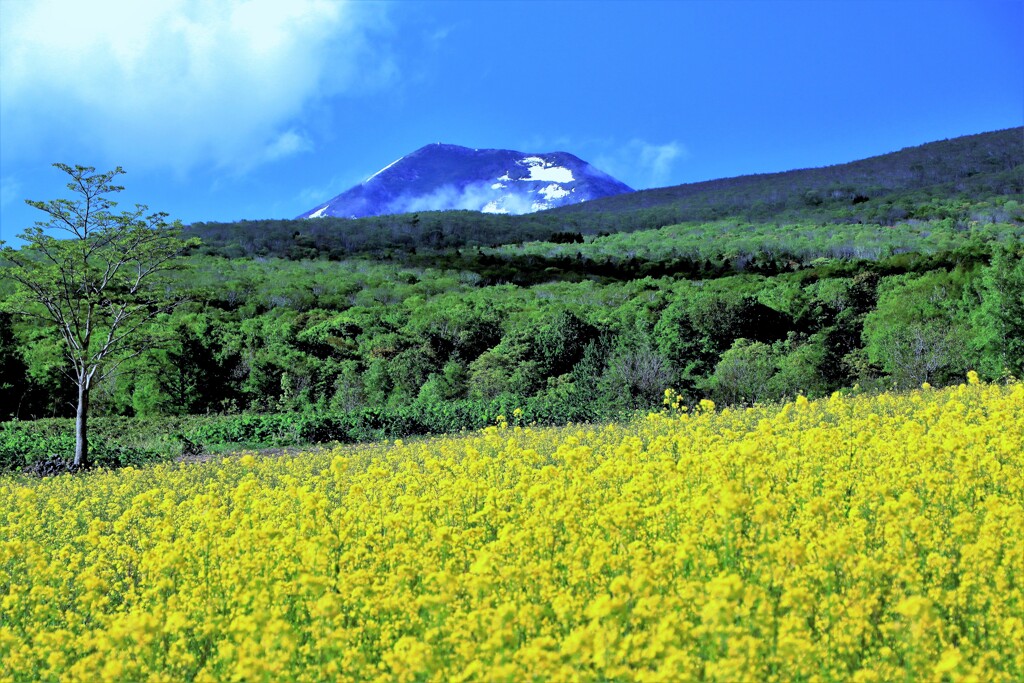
442 177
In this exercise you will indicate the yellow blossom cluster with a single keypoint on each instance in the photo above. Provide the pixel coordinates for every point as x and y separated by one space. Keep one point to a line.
863 538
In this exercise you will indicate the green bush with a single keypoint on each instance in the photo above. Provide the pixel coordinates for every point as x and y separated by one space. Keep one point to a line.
24 443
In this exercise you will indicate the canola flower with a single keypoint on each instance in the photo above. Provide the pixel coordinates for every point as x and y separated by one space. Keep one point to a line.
853 538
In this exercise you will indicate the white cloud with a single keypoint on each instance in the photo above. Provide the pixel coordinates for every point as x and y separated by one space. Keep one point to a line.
319 193
641 164
473 197
10 190
658 160
288 143
439 35
180 83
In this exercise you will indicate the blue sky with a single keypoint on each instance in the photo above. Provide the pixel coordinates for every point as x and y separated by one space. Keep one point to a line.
230 110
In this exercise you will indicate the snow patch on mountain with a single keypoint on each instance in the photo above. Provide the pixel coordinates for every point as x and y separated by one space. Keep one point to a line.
546 171
381 170
553 191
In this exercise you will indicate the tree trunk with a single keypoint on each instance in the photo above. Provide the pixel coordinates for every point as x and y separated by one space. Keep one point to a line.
81 425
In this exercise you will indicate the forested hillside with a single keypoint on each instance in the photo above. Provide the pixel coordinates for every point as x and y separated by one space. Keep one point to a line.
972 165
938 180
897 270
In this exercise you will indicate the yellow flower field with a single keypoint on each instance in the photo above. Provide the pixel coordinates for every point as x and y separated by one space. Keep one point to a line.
854 538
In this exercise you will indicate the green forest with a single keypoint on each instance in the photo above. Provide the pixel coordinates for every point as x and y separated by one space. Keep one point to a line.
893 271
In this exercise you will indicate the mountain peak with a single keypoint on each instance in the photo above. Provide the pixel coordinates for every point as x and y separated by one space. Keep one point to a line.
441 176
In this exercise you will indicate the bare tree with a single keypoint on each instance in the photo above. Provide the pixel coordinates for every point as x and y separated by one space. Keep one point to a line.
642 373
919 352
102 284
